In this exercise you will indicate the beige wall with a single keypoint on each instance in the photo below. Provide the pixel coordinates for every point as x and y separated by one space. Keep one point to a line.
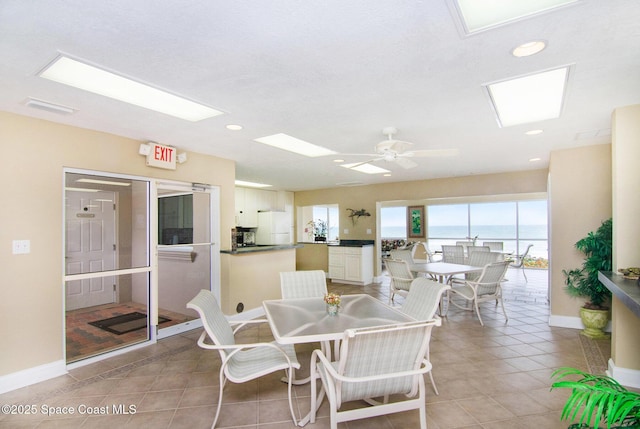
625 341
35 153
366 197
579 201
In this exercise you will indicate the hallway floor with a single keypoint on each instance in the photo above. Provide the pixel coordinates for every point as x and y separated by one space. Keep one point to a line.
491 377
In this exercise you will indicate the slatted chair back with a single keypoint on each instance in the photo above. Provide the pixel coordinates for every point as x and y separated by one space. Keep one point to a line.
303 284
453 254
402 254
376 352
492 275
424 298
495 246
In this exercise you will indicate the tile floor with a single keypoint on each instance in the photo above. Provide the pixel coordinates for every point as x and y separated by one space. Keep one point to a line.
490 377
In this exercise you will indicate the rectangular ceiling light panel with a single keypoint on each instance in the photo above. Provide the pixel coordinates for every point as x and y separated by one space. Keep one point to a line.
93 79
292 144
478 15
530 98
366 168
251 184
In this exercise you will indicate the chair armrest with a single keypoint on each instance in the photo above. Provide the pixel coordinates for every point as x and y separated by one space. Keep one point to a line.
242 323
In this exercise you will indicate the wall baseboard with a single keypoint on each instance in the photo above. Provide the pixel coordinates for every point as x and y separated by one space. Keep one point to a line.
571 322
30 376
625 376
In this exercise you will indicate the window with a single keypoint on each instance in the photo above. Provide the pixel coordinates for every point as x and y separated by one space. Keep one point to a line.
393 222
318 221
516 223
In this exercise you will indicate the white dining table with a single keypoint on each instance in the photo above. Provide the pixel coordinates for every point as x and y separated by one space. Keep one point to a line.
305 320
444 270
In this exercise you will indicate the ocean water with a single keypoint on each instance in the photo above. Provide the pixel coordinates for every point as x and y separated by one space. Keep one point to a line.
439 235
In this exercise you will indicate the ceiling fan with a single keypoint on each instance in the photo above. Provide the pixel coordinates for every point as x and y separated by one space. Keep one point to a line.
398 151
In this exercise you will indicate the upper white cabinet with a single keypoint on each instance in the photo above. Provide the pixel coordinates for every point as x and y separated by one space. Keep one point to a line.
250 201
246 208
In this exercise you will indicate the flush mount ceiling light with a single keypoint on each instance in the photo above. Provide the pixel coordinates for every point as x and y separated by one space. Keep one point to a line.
251 184
49 107
93 79
480 15
533 132
292 144
103 182
365 168
234 127
529 48
531 98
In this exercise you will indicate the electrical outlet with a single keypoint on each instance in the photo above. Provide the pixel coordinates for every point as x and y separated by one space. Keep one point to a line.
368 230
21 247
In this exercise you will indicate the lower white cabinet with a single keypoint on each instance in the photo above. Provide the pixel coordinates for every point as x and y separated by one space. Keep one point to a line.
351 265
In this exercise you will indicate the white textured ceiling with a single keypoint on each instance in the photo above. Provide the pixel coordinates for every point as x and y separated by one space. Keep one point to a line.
333 73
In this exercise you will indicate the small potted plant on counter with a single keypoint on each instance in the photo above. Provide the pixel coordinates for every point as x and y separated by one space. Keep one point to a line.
597 248
599 398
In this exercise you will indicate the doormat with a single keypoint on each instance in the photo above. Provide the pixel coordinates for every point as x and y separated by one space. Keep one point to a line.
125 323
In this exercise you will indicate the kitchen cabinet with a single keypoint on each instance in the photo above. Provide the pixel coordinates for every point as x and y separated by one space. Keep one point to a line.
351 265
249 201
246 207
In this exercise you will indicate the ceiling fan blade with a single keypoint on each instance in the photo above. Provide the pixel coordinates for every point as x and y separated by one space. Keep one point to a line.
431 152
405 163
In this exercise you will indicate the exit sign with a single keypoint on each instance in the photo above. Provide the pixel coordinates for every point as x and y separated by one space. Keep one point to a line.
162 156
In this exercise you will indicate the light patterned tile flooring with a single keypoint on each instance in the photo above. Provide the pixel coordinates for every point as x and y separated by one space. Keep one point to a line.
490 377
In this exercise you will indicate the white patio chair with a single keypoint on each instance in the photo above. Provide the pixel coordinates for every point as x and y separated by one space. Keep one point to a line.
374 362
519 262
453 254
402 254
495 246
422 303
303 284
471 249
420 253
477 259
401 277
240 362
486 288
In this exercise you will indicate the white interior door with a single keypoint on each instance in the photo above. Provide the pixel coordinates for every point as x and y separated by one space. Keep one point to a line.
90 247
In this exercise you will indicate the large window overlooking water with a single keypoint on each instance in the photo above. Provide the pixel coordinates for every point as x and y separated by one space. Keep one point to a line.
516 223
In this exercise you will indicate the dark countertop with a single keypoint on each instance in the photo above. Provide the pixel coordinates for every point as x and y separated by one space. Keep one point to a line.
352 243
256 249
626 290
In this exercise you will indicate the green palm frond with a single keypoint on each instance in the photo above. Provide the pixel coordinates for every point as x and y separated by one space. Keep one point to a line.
597 399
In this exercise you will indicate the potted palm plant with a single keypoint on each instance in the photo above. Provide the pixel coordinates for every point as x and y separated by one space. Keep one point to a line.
598 399
583 282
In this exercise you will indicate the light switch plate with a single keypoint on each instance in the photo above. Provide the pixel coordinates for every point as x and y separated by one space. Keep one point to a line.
346 231
368 230
21 247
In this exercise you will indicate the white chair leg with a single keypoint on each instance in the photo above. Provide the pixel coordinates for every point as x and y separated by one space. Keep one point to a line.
433 383
478 312
222 383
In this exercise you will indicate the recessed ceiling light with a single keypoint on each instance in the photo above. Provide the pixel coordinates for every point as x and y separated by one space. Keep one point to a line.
533 132
531 98
479 15
365 168
534 159
529 48
338 160
93 79
234 127
292 144
387 175
251 184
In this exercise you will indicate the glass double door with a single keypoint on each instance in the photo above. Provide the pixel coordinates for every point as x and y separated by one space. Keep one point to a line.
136 251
